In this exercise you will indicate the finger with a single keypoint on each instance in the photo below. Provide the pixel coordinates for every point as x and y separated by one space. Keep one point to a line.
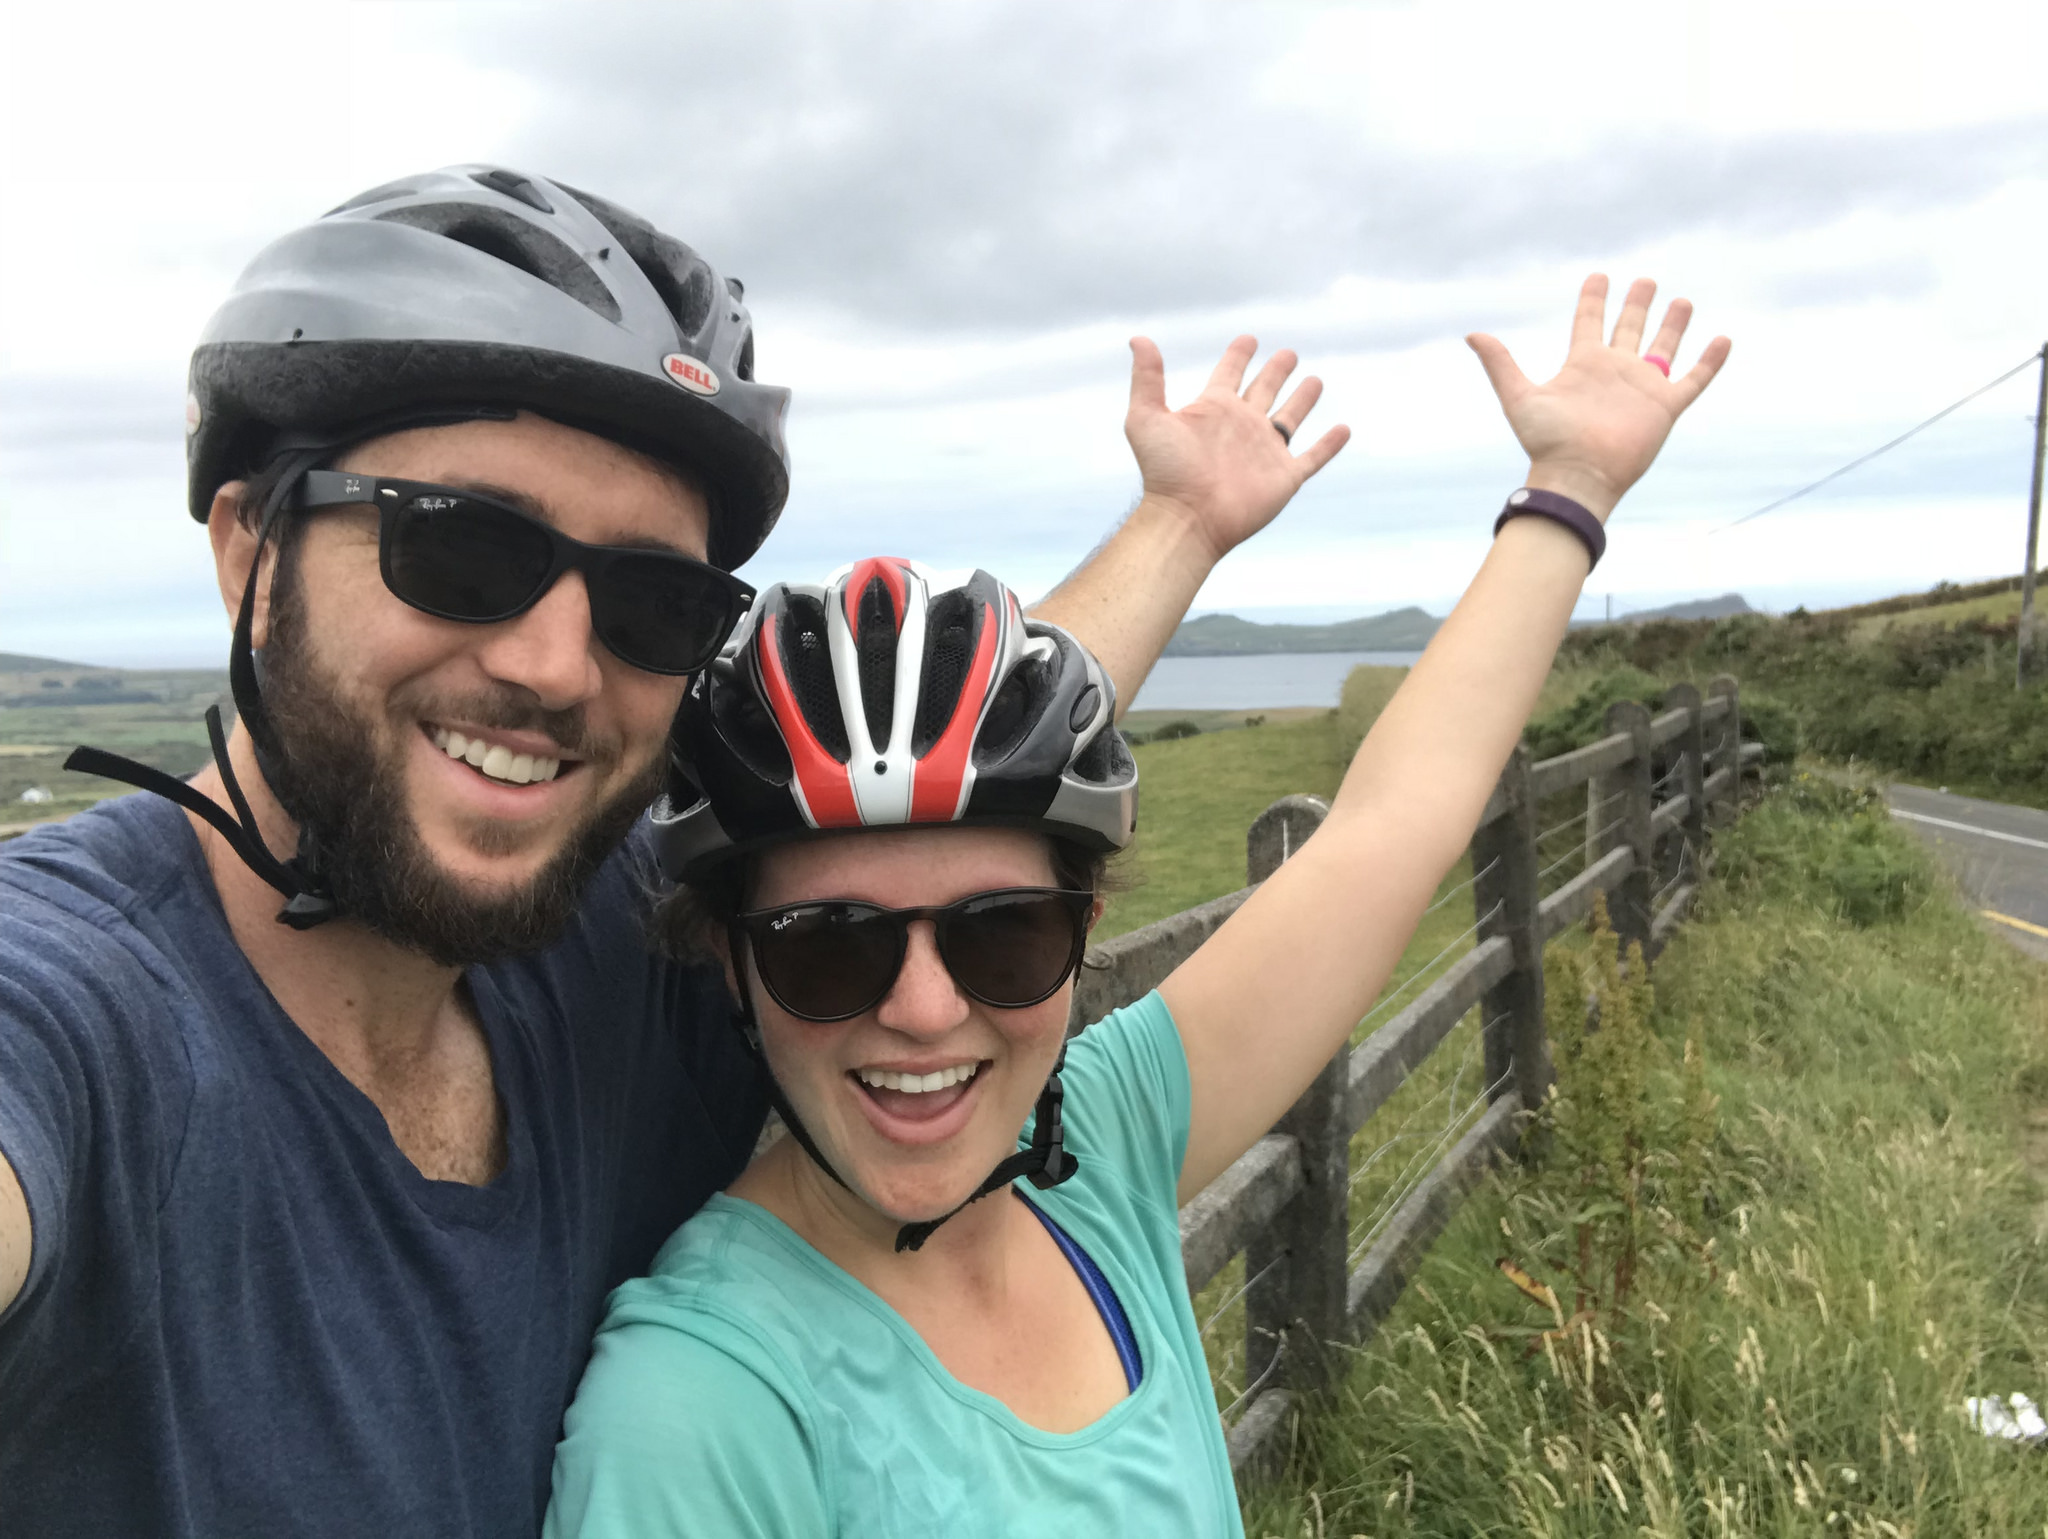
1502 372
1229 373
1635 315
1266 385
1702 373
1589 322
1299 404
1321 452
1148 377
1672 332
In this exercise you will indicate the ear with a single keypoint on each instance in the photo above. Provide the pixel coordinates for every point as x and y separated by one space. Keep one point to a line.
232 532
1095 911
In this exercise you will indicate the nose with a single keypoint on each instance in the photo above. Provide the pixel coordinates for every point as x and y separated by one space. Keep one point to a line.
924 1001
551 649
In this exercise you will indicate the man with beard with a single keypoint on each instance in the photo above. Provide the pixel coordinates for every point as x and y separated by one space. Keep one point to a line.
315 1168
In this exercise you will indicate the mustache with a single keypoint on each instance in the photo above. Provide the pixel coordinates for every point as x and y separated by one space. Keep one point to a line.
512 709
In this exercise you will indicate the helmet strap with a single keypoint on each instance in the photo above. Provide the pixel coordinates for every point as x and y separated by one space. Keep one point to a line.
309 901
1046 1163
750 1027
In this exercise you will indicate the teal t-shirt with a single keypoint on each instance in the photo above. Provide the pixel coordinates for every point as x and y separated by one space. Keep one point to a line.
750 1387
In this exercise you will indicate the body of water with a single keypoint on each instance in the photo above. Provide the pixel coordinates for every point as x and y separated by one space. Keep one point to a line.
1274 678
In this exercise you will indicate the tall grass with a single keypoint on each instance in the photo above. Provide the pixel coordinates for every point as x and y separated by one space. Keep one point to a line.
1758 1276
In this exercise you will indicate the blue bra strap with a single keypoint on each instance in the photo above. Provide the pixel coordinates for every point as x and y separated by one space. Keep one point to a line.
1100 1291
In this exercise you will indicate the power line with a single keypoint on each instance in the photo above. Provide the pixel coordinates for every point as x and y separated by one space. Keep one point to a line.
1772 507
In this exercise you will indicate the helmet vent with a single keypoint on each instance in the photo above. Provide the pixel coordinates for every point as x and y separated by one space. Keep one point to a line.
678 274
807 657
743 721
1105 761
745 367
948 651
1013 712
508 238
876 649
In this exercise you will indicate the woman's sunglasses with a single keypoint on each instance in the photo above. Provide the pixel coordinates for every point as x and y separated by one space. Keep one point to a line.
460 556
833 960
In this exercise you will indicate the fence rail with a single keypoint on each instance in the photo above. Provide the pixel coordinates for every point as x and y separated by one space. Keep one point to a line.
1285 1203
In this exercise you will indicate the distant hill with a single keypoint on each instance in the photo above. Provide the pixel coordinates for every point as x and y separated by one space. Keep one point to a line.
1698 609
14 662
1399 630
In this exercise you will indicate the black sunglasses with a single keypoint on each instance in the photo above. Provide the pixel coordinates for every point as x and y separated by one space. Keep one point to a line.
832 960
460 556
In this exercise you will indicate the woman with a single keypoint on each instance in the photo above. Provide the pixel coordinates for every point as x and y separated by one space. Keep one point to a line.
898 847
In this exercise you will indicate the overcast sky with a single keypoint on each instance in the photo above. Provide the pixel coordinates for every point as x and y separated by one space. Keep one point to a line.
950 219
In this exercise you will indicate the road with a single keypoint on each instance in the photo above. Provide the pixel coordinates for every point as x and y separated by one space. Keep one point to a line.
1998 854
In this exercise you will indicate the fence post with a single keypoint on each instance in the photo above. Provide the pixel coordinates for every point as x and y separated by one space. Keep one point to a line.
1630 910
1504 897
1691 745
1729 754
1300 1263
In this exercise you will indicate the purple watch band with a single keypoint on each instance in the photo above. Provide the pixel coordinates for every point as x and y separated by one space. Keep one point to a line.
1559 510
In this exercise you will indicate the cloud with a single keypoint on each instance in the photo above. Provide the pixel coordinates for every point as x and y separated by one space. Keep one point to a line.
1893 279
119 425
1033 166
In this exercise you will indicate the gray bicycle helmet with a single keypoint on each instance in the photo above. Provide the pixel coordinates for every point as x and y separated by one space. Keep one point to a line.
480 286
892 695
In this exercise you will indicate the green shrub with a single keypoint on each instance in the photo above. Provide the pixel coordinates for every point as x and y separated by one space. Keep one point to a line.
1175 730
1774 724
1584 719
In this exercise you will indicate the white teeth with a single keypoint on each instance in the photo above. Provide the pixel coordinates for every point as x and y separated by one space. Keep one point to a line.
497 762
917 1084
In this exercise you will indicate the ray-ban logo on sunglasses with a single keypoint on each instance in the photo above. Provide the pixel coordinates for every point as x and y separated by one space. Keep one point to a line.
785 921
690 374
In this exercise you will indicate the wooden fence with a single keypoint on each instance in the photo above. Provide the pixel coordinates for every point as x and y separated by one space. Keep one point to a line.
1652 788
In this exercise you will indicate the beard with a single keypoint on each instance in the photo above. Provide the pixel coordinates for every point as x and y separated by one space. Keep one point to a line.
343 781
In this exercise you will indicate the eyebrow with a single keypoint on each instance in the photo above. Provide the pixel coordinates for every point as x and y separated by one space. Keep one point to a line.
532 507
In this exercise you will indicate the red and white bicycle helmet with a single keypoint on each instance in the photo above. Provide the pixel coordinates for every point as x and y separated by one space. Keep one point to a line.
892 695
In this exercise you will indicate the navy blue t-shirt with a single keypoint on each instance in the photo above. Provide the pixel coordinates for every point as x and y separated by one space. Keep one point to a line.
247 1313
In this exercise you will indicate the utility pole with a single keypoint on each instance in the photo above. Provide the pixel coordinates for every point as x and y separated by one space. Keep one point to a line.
2026 636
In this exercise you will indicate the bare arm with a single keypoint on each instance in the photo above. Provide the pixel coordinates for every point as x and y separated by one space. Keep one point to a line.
1215 473
1334 920
14 1236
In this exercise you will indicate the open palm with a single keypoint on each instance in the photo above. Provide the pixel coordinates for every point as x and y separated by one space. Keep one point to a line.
1218 461
1593 429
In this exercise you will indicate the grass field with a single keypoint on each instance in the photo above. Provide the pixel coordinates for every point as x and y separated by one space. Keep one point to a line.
1995 606
1869 1253
1867 1247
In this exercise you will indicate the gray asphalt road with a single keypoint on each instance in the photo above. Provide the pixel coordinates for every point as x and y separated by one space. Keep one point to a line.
1998 853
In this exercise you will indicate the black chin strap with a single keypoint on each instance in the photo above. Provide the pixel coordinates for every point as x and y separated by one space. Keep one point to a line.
1047 1162
308 899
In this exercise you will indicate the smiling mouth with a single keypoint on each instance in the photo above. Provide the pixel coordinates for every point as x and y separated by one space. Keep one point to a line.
496 762
916 1097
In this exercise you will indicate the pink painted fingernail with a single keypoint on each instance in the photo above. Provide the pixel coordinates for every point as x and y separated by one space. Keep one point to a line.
1663 364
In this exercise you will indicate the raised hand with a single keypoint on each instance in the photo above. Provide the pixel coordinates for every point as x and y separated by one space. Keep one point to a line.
1593 430
1218 462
